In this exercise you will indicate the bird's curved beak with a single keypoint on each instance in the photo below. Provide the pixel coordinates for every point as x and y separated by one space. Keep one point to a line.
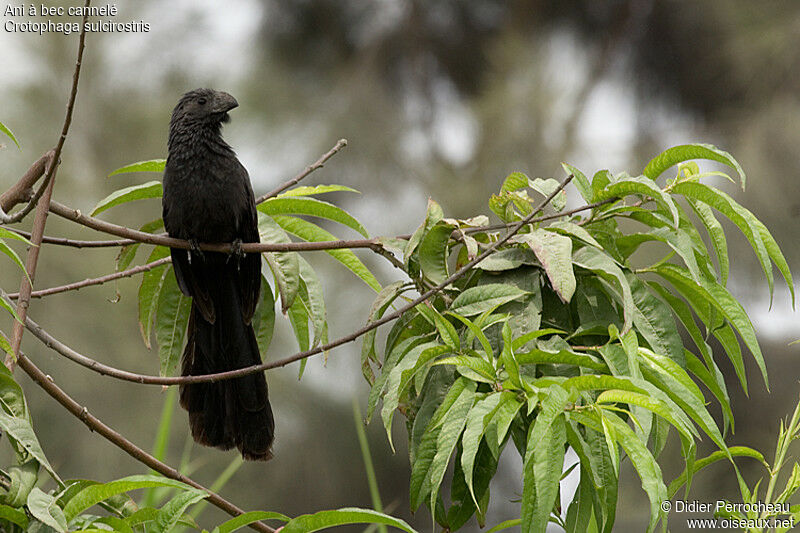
224 102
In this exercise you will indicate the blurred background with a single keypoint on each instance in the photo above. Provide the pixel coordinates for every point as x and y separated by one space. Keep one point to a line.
440 99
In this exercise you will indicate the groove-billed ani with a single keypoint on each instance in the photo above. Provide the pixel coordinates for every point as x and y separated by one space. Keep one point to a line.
208 199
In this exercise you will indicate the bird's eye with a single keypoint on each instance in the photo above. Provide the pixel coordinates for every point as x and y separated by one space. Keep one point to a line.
201 101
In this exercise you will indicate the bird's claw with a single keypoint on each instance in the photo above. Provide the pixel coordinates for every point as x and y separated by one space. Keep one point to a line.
236 250
194 249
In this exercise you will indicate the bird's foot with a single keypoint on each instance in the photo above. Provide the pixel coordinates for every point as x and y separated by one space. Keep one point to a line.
194 250
236 251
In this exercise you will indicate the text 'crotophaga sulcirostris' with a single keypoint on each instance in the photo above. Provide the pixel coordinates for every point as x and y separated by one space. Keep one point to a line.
208 199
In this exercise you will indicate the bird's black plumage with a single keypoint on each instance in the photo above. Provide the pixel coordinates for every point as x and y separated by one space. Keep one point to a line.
208 199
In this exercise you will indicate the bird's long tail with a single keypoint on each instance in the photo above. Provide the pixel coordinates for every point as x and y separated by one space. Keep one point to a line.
234 412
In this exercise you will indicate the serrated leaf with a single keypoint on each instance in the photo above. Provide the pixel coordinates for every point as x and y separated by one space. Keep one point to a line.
580 181
722 300
309 523
717 235
264 317
644 187
153 165
686 152
476 423
94 494
285 266
172 511
21 431
310 207
313 233
43 507
477 300
544 461
554 251
433 252
316 302
439 441
654 321
172 317
151 189
598 262
149 291
699 464
566 227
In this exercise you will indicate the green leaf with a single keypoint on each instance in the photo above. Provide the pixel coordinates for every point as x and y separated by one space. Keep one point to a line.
151 189
554 251
433 215
681 423
654 321
264 317
153 165
536 357
744 220
4 248
580 181
644 462
544 461
22 479
21 431
548 186
4 129
568 228
128 252
172 511
505 525
399 379
305 190
476 364
313 233
382 301
719 297
246 519
508 259
477 300
475 332
172 318
433 252
150 290
310 207
717 235
8 234
309 523
477 421
44 508
94 494
315 301
14 516
735 451
598 262
686 152
439 441
644 187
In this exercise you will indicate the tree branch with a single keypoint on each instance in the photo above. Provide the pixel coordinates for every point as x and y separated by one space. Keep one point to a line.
106 370
319 163
95 281
75 243
21 190
96 425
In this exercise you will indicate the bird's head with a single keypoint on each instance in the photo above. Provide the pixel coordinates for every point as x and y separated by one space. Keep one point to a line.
204 106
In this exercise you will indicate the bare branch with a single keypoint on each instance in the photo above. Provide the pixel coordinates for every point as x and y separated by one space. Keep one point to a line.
319 163
75 243
98 426
95 281
26 283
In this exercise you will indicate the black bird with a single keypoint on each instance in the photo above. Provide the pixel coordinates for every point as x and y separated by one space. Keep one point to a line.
208 199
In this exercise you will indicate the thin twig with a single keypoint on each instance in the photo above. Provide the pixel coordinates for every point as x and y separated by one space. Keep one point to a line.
95 281
96 425
106 370
74 243
319 163
26 282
